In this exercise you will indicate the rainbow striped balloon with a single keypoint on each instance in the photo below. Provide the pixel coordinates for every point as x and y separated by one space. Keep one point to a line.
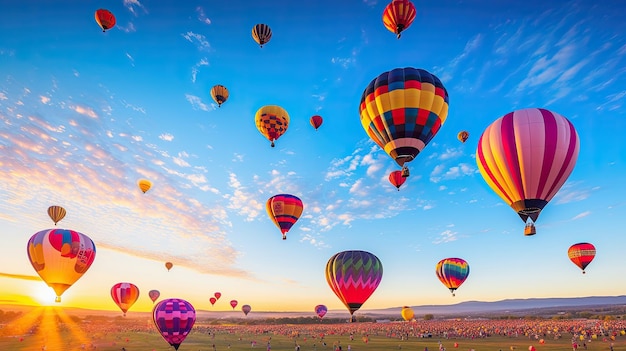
582 254
452 272
354 276
284 210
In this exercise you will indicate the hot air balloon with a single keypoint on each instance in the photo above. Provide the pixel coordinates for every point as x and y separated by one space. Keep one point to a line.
272 121
219 93
56 213
581 254
233 303
124 295
261 33
174 319
396 179
169 265
353 276
144 185
462 136
105 19
452 272
246 309
316 121
321 311
217 295
398 16
525 157
212 300
154 295
60 257
407 313
402 110
284 210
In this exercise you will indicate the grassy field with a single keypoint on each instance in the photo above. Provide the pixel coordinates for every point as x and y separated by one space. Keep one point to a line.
233 340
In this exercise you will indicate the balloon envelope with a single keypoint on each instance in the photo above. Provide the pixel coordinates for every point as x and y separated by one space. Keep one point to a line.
56 213
321 310
174 319
154 295
144 185
462 136
272 122
169 265
261 33
396 179
407 313
402 110
246 309
582 254
124 295
219 93
233 303
105 19
60 257
353 276
212 300
398 16
316 121
526 156
452 272
217 295
284 210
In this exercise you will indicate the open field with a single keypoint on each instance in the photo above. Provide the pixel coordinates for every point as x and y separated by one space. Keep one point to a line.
55 331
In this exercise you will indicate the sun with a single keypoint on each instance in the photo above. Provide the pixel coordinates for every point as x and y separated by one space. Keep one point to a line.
44 295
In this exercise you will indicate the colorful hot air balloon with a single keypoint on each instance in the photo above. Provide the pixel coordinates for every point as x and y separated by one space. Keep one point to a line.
56 213
105 19
316 121
462 136
219 93
321 311
261 33
407 313
353 276
396 179
272 121
284 210
398 16
452 272
233 303
525 157
174 319
169 265
154 295
582 254
60 257
124 295
212 300
144 185
246 309
402 110
217 295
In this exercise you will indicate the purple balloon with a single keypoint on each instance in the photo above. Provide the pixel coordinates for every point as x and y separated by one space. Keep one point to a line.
174 318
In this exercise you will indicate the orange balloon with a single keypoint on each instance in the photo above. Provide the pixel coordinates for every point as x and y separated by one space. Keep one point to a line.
169 265
105 19
124 295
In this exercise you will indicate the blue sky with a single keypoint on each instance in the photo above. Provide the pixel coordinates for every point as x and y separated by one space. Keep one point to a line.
85 114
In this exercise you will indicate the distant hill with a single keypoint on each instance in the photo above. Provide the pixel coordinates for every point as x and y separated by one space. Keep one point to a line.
511 307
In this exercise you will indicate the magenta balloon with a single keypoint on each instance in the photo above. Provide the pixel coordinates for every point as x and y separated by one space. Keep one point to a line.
154 295
174 319
246 309
321 310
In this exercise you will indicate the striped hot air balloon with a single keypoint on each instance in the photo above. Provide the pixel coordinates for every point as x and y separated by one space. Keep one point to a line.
56 213
402 110
354 276
582 254
398 16
124 295
261 33
284 210
452 272
525 157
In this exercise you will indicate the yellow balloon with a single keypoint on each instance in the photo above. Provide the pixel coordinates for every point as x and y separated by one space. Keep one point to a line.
219 93
144 185
60 257
407 313
56 213
272 121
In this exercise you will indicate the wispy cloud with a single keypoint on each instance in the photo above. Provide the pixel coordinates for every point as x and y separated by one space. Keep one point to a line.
201 16
446 236
440 173
133 6
197 39
166 137
85 111
196 68
243 201
581 215
20 276
197 104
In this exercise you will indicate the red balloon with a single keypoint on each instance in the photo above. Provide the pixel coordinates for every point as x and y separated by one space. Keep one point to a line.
582 254
105 19
213 300
396 179
233 303
398 16
217 295
316 121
